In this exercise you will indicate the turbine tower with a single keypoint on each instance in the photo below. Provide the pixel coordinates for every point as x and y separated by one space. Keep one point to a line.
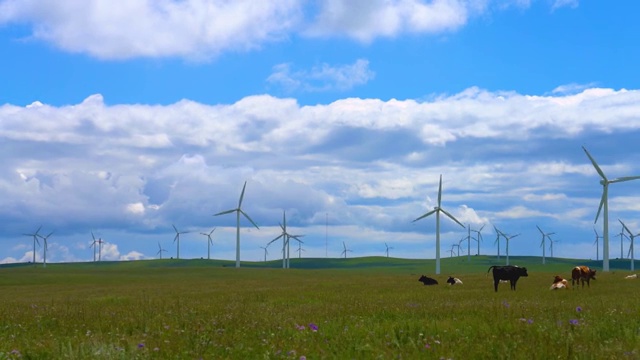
507 238
35 241
285 241
498 233
265 252
238 211
622 236
176 239
209 242
604 205
551 245
631 237
542 245
93 245
437 210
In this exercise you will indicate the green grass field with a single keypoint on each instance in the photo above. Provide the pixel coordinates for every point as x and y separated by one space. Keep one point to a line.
360 308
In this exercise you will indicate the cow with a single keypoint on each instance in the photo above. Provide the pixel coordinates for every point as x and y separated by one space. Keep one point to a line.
629 277
454 281
427 280
559 283
508 272
582 273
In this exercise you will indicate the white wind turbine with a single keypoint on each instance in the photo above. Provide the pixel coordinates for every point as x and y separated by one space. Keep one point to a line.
622 236
604 203
35 236
498 233
265 252
300 250
160 250
285 240
479 238
542 244
45 247
551 245
238 211
93 245
388 248
100 242
507 238
176 239
209 242
631 237
437 210
468 238
597 244
344 252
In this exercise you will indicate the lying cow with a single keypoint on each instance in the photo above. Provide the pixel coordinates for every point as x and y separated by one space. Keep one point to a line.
582 273
629 277
509 272
454 281
559 283
427 280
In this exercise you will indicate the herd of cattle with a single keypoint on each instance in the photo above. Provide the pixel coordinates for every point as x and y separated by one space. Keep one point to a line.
510 274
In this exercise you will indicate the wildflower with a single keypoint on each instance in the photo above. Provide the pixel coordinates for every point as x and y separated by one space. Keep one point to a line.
437 342
15 352
427 346
156 349
506 304
313 327
578 309
140 346
291 353
300 327
303 357
530 321
573 321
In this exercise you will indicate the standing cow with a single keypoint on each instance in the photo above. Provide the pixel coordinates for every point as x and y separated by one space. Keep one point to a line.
509 272
582 273
427 280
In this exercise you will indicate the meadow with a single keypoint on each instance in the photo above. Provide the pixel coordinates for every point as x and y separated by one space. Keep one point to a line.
369 308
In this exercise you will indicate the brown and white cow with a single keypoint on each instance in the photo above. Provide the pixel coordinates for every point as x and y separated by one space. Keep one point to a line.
559 283
581 274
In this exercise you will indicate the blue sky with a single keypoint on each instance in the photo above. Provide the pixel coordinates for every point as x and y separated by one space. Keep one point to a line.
124 121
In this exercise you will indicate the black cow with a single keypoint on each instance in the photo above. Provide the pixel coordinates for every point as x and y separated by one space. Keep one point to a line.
427 280
509 272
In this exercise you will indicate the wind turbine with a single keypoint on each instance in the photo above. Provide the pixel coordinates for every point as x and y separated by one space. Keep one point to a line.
551 245
344 252
597 245
285 241
542 245
468 238
300 250
93 245
437 210
176 239
160 250
238 211
622 236
45 247
631 236
265 252
35 241
100 242
209 242
507 238
388 248
497 239
604 203
479 238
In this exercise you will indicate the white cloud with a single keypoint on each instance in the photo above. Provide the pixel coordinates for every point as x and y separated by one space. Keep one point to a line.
322 78
133 255
564 3
140 28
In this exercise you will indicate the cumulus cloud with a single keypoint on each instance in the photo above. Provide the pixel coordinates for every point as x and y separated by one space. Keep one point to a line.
202 29
564 3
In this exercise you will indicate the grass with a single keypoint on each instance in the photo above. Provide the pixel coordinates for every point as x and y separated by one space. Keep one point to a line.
362 309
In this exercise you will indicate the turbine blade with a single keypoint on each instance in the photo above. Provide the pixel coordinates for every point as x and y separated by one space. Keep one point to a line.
440 191
540 230
425 215
248 218
625 227
624 178
599 208
226 212
482 227
174 228
451 217
269 243
595 165
242 195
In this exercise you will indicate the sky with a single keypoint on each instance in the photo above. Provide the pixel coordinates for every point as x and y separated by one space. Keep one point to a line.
126 121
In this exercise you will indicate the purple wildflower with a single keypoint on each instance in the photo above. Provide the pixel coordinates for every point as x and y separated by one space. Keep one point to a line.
300 327
573 321
427 346
506 304
313 327
140 346
530 321
578 309
15 352
303 357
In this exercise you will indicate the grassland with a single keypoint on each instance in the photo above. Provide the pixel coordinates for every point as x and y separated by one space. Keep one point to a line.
361 308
